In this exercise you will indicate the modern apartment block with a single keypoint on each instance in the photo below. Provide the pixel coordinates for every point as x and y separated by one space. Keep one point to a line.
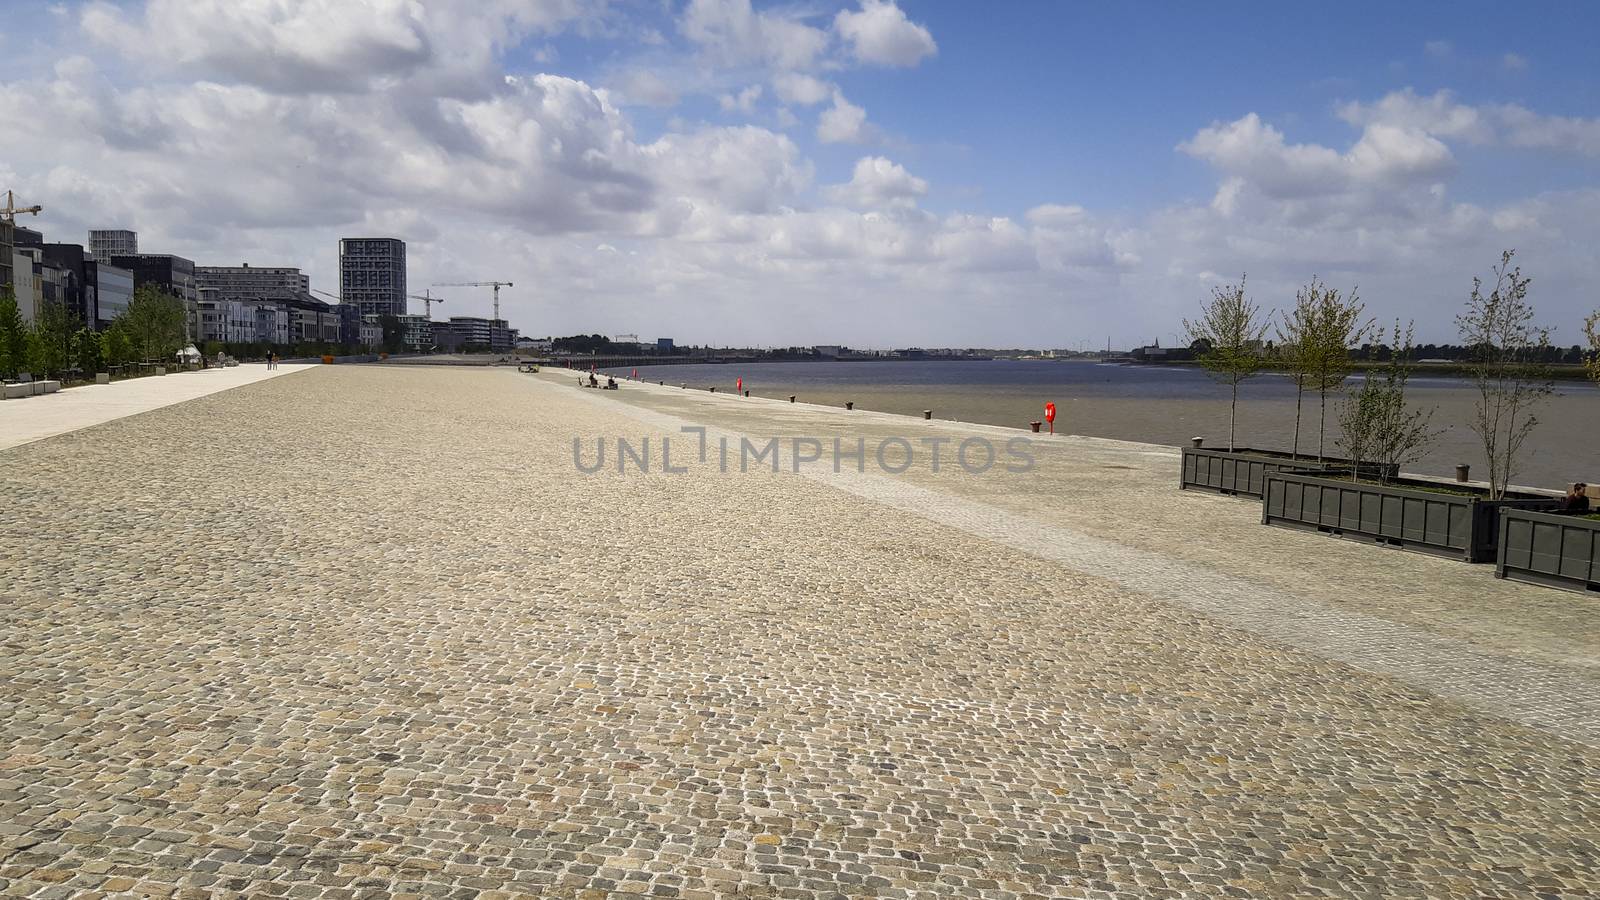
372 275
476 332
104 243
247 282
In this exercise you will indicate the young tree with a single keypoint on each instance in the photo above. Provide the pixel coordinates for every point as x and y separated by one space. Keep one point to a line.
1338 327
1297 344
118 349
1591 359
1506 347
13 333
91 352
1234 328
1376 424
54 332
394 335
156 323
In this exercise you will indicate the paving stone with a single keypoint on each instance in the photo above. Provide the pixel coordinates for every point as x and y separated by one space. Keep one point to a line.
343 634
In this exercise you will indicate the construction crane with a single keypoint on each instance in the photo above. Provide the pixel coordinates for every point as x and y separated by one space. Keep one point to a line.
12 209
428 300
497 285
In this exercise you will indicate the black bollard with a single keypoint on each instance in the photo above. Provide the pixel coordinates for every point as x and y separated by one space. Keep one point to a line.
1461 472
849 404
1035 426
791 398
927 414
1197 442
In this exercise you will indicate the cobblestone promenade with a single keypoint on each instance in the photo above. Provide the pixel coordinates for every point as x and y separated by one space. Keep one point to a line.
366 632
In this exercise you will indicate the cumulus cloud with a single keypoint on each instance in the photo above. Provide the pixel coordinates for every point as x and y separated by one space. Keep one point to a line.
737 34
804 90
878 182
543 180
880 34
744 101
1255 153
330 46
842 123
1443 115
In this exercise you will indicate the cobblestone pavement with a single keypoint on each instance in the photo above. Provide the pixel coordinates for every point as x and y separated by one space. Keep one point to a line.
363 631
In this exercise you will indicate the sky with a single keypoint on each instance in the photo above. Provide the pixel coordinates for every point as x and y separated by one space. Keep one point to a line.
876 173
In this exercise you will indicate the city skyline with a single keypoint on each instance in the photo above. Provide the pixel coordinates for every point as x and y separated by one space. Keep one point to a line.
863 173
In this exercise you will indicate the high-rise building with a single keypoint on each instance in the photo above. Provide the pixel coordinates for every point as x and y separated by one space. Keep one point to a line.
105 243
372 275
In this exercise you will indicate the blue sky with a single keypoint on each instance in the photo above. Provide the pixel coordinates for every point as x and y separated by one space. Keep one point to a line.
866 171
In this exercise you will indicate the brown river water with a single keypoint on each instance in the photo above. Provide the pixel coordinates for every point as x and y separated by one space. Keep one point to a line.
1158 404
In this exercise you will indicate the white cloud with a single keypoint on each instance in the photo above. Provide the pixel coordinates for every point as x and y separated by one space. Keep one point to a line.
642 87
333 46
1442 115
736 34
881 34
744 101
1439 49
543 179
792 87
879 182
1513 62
842 123
1255 154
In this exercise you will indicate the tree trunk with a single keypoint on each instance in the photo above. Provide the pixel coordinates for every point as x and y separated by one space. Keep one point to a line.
1322 423
1233 413
1299 395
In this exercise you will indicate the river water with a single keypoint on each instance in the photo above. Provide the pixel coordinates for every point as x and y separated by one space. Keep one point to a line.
1157 404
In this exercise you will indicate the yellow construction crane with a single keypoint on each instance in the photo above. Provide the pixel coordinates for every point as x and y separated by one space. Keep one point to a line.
11 209
428 300
497 285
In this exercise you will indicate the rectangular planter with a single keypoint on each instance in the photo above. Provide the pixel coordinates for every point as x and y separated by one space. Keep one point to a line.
1401 514
102 378
51 386
1244 471
18 391
1549 548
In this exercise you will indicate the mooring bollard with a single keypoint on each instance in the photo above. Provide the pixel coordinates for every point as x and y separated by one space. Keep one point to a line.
747 393
662 383
1035 426
684 385
927 414
1196 441
849 404
1461 472
791 398
713 390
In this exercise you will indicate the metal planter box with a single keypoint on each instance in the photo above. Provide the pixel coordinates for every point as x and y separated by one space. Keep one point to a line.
1244 471
1401 514
1549 548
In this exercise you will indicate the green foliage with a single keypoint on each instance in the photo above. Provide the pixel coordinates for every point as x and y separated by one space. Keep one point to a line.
13 333
1336 326
156 324
1511 380
1591 358
118 348
1376 424
91 352
1233 327
394 336
54 331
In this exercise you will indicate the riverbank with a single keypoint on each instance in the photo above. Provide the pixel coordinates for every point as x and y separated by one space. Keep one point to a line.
380 632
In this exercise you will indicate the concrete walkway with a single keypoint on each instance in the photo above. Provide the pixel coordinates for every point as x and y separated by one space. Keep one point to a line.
34 418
